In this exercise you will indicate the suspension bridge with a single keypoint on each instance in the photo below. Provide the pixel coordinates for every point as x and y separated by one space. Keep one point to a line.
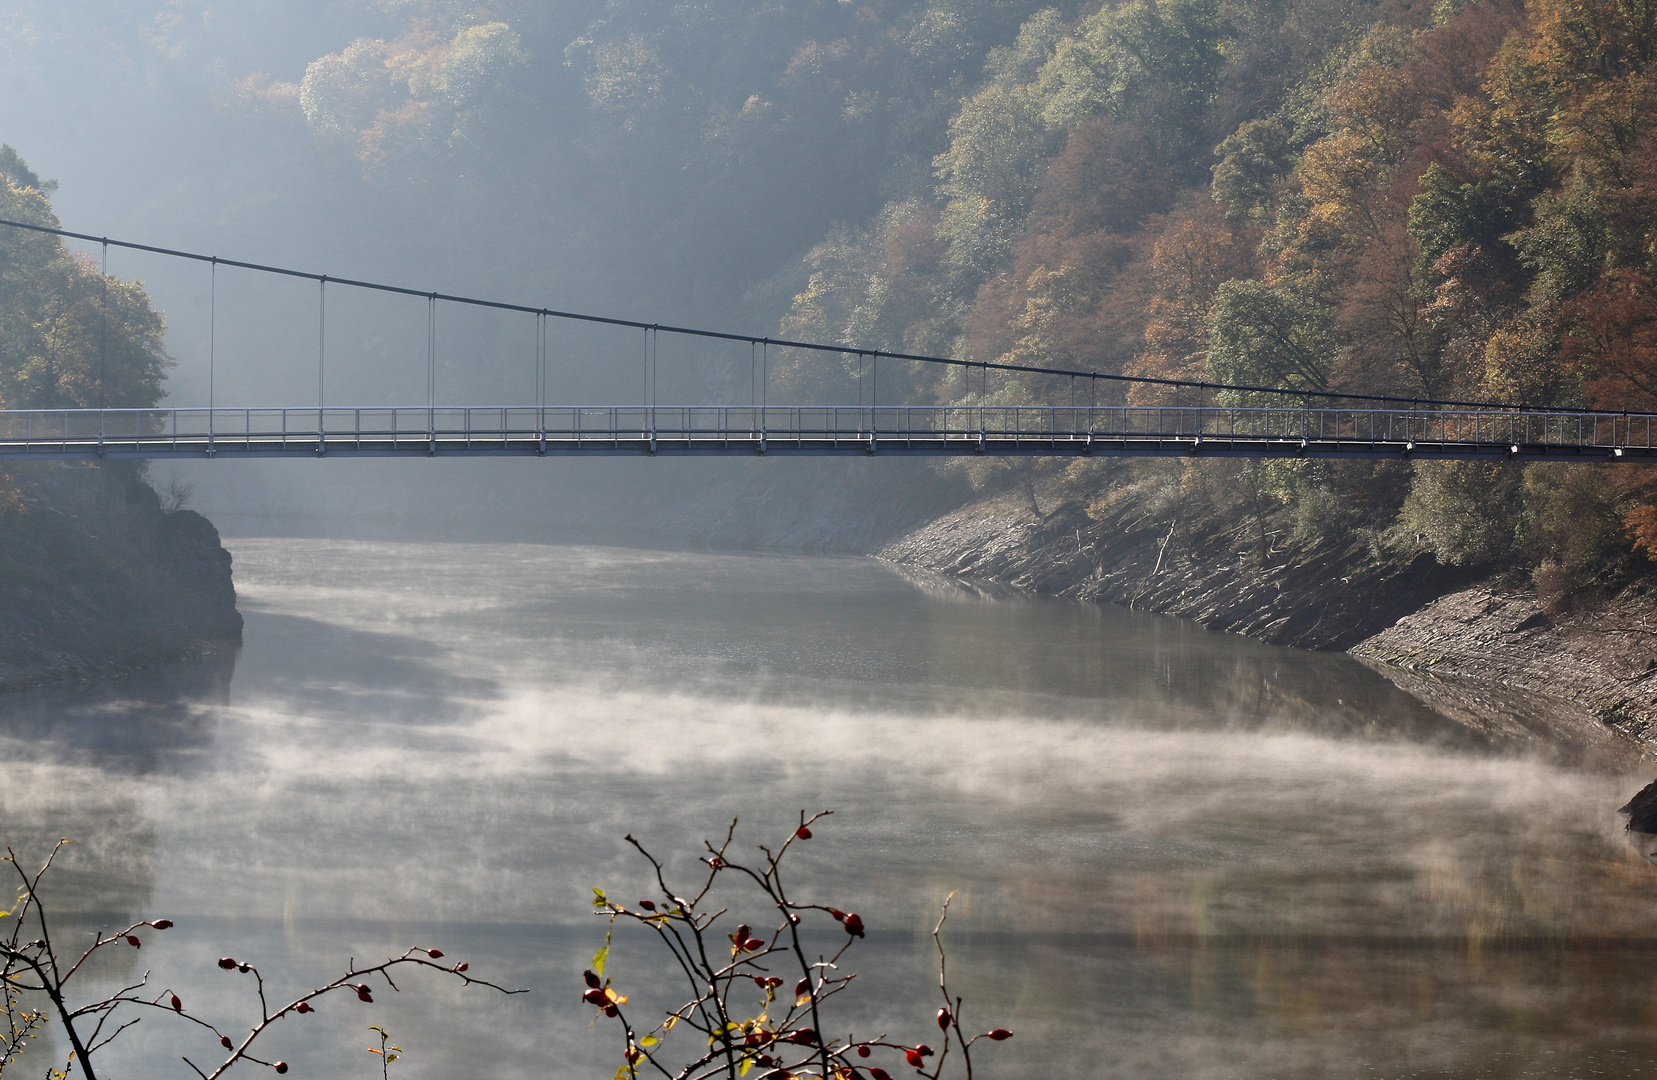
1320 424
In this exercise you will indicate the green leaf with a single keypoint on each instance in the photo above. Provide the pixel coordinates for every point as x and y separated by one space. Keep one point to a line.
747 1063
599 899
624 1072
649 1040
599 957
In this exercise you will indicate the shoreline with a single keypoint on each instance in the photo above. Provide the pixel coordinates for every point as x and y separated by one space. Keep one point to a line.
101 582
1480 653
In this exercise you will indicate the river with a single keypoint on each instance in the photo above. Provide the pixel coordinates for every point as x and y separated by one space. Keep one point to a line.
1175 853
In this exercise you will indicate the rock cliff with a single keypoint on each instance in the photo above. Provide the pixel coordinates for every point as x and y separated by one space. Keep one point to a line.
1311 596
1473 650
98 579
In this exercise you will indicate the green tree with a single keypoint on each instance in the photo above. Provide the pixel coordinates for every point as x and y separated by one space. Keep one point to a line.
1264 336
70 336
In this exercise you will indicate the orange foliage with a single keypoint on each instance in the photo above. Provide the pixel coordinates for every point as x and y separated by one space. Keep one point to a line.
1611 342
1193 257
1076 292
1641 525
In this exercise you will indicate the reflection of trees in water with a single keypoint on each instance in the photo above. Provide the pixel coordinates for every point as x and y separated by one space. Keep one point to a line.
104 881
75 757
153 720
108 874
1170 673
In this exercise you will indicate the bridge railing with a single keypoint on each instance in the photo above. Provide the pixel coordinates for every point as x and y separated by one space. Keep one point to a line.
451 428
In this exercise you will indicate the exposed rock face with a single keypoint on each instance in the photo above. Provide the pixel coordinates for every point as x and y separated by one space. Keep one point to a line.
1600 665
96 579
1326 596
1482 656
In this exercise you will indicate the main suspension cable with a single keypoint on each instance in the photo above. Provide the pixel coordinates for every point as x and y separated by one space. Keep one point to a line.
766 342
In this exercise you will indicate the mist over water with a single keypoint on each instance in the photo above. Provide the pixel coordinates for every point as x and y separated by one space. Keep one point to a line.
1177 853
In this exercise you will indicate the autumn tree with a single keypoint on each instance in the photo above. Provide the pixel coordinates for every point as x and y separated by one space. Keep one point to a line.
70 336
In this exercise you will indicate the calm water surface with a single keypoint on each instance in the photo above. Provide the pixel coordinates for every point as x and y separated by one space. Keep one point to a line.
1178 854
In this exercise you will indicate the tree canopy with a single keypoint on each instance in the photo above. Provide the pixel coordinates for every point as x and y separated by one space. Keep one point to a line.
71 337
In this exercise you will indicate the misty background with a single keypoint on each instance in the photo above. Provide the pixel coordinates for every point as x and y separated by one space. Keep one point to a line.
645 160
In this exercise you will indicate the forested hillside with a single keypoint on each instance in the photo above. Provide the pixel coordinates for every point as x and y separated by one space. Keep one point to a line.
97 576
1450 199
1444 201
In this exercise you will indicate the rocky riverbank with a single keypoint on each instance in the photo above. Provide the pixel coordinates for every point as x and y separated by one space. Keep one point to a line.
1474 653
1483 655
97 579
1284 592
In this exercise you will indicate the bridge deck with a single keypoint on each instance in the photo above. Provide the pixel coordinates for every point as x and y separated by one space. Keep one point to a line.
1038 431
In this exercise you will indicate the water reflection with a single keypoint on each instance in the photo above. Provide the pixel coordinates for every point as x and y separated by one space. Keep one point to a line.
159 718
1179 853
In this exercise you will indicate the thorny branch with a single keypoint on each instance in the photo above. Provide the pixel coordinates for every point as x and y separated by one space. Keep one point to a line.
33 966
784 1047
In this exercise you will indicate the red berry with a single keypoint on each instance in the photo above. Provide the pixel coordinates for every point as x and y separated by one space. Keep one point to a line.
462 966
1000 1034
244 968
592 978
854 924
923 1050
435 954
943 1018
364 995
879 1074
914 1058
226 962
303 1007
648 905
594 997
280 1066
795 919
633 1054
224 1041
804 1037
803 833
715 861
162 924
839 916
741 934
802 987
863 1050
611 1010
178 1006
132 939
773 981
753 944
759 981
